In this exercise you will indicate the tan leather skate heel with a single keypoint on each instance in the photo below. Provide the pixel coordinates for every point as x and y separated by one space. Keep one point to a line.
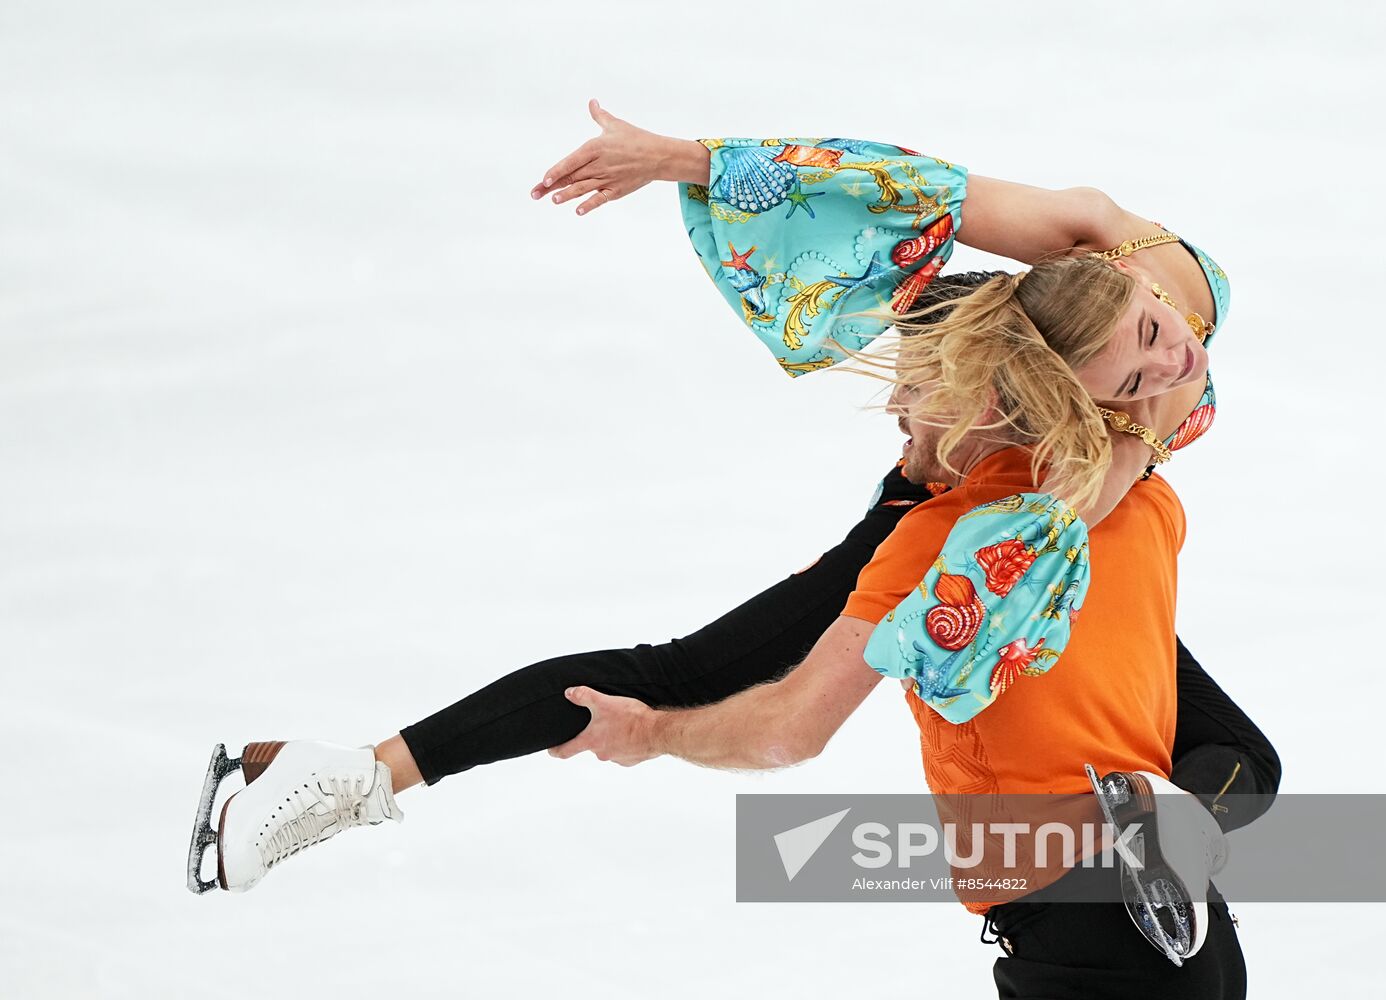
1142 801
257 757
221 832
254 759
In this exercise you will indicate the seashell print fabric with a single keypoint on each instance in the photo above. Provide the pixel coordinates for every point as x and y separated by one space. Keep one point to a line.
800 235
996 608
1197 423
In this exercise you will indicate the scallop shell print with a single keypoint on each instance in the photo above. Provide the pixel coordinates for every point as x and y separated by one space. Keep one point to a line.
752 180
1193 427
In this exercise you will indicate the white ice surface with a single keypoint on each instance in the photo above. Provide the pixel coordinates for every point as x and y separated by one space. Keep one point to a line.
311 422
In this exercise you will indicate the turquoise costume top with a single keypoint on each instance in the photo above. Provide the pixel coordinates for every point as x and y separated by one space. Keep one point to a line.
824 239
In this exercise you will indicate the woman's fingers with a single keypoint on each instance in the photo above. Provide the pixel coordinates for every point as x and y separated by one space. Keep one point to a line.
600 115
578 189
596 201
583 173
570 164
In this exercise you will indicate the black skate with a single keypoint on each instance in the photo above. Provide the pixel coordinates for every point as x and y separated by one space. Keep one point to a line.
1165 872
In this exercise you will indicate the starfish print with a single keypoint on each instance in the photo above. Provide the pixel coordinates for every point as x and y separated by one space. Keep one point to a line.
853 188
970 565
1031 583
738 261
769 263
873 268
797 198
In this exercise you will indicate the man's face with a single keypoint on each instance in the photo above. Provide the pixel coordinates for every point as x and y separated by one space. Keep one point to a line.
921 447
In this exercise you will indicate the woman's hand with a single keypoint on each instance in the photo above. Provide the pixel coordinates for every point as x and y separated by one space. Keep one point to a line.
620 160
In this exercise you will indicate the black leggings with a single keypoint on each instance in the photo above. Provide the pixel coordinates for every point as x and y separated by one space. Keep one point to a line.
526 711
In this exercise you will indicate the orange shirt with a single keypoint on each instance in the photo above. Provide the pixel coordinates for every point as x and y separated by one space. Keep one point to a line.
1110 698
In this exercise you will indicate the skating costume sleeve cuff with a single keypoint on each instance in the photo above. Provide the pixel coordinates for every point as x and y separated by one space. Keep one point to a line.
996 606
802 235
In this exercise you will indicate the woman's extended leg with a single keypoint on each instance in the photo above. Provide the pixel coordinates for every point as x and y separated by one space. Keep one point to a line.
526 711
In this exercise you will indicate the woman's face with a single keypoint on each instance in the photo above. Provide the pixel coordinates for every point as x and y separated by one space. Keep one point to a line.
1152 351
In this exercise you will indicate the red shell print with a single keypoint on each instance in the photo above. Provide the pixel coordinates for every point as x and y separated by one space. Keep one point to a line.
1193 427
955 590
911 251
1015 657
910 289
955 622
953 628
1004 563
809 156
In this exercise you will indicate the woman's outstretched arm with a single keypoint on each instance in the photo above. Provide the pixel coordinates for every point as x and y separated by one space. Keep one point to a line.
1018 221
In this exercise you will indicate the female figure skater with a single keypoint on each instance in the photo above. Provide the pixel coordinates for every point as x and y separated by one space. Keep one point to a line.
1142 352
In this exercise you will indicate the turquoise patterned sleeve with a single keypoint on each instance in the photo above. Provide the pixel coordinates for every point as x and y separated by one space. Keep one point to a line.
996 606
802 235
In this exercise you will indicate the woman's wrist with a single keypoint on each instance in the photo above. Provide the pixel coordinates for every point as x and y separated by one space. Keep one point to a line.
686 161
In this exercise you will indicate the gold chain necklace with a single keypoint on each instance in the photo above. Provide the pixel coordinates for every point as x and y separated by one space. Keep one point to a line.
1201 327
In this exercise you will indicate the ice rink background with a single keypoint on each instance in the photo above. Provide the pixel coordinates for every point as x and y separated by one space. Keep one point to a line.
311 422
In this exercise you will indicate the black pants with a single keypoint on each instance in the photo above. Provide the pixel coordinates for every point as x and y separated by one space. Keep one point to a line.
525 711
1090 951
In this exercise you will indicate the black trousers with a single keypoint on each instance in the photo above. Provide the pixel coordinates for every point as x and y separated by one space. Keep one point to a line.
525 711
1089 951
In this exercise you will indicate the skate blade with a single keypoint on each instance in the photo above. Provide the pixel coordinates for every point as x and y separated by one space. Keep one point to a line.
203 836
1150 926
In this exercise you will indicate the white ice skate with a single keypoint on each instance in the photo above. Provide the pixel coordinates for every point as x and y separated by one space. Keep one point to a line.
297 794
1177 849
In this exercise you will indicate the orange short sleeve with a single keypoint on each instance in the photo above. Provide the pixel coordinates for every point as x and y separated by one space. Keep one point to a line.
899 564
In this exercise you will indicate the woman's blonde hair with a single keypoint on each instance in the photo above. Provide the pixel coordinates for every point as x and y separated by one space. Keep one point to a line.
1012 347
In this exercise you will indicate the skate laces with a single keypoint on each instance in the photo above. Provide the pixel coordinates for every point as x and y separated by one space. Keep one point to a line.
342 807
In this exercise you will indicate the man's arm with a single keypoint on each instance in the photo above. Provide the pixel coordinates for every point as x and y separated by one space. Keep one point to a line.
769 726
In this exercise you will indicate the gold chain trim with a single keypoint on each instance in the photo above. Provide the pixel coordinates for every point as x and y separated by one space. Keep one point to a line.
1128 247
1121 421
1201 327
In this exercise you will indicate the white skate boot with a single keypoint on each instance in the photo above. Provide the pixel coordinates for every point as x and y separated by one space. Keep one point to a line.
1177 847
297 794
